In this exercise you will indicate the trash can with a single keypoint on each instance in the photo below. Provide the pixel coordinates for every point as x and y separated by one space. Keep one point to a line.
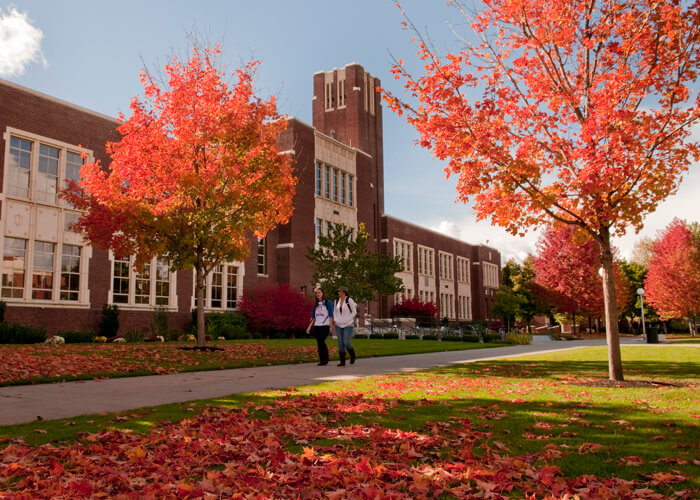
652 335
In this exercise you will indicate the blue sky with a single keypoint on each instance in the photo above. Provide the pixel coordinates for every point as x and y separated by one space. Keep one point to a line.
89 52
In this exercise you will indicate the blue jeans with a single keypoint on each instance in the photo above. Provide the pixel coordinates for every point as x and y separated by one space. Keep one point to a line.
344 335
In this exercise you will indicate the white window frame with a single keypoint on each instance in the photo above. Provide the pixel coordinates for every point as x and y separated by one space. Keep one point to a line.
225 288
404 249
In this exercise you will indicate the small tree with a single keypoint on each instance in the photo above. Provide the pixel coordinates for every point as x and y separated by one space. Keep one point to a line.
507 304
196 172
672 284
342 258
271 309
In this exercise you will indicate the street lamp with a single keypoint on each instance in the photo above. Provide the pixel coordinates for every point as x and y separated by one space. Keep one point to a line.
640 292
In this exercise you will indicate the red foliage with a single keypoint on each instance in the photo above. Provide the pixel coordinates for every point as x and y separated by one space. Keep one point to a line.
567 265
414 308
280 308
673 280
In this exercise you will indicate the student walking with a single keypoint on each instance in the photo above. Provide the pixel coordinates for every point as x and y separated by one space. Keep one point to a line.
321 324
344 312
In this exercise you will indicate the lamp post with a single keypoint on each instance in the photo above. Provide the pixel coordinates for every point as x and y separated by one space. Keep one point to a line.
640 292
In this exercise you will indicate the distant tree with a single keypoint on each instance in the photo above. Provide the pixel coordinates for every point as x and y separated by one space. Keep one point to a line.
568 262
423 312
269 309
642 251
342 258
578 112
672 284
196 172
636 274
507 304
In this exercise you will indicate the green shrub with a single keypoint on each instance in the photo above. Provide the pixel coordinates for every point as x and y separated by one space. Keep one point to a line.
412 337
109 322
391 336
376 336
135 335
229 325
470 338
72 337
160 321
3 306
18 334
430 336
518 338
492 337
452 338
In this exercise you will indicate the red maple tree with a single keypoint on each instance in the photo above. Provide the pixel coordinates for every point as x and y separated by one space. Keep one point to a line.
672 284
197 171
577 111
568 263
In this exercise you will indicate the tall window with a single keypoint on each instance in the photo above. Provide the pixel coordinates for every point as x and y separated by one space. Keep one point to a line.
262 257
343 192
70 272
19 167
231 287
426 263
319 178
446 264
335 184
327 191
404 250
490 275
48 174
329 95
341 93
42 275
15 251
216 290
120 281
350 190
162 283
142 283
463 269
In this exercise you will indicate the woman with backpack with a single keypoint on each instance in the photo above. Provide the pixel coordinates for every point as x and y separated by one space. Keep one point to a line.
344 312
321 324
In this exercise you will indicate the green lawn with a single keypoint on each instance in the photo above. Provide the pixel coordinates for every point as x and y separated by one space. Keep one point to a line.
546 425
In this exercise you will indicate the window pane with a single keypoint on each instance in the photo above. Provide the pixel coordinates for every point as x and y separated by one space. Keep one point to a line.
162 283
48 174
142 290
70 272
120 285
18 168
13 268
42 277
216 290
231 287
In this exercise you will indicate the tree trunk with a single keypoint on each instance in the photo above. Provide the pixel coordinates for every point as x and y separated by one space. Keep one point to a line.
691 326
609 295
199 276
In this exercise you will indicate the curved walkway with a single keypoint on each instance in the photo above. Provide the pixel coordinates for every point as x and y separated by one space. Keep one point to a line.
20 404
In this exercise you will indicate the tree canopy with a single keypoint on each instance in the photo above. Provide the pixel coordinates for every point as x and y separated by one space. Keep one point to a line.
576 111
672 284
196 173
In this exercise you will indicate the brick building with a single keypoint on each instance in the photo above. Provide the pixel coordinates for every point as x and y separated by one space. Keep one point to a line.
51 278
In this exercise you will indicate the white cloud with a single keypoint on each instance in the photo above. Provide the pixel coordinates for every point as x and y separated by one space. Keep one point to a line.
483 233
20 43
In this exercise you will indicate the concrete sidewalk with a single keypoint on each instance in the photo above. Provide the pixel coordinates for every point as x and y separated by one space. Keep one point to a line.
20 404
